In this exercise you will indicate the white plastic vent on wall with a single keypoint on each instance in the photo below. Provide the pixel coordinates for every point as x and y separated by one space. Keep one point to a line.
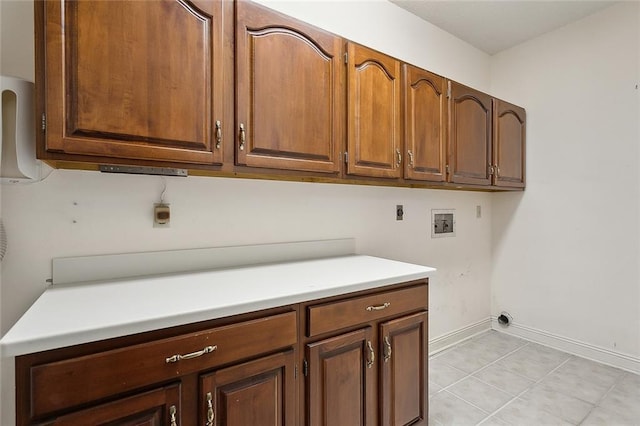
18 162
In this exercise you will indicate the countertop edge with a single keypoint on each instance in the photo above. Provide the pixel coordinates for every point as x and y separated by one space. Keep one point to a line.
10 346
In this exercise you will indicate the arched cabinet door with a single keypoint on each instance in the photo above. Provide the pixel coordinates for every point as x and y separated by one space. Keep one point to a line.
425 107
374 120
290 93
132 79
509 137
469 136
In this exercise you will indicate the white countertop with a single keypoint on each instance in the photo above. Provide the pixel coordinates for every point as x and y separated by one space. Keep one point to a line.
73 314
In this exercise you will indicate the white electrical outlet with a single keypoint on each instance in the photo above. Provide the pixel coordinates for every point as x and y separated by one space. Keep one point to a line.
161 215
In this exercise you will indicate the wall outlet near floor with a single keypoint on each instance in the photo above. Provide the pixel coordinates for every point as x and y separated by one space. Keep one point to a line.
443 223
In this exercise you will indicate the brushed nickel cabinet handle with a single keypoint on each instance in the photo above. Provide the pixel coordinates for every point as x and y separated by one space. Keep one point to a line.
211 415
178 357
410 154
399 155
372 355
218 134
243 136
387 349
172 414
385 305
497 169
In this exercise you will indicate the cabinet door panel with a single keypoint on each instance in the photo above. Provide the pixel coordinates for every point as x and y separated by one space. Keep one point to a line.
374 122
425 124
341 387
154 408
469 135
509 136
120 81
403 349
290 92
257 393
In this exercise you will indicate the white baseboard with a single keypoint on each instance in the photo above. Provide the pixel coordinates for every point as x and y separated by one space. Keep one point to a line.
447 340
572 346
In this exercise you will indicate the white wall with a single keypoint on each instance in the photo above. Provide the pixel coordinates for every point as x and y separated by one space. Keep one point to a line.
16 59
112 213
565 252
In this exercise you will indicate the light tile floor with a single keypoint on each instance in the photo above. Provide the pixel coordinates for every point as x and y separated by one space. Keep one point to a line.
497 379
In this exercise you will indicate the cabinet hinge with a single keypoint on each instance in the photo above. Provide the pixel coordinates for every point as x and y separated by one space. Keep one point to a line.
449 91
346 57
346 157
447 169
305 368
43 122
295 372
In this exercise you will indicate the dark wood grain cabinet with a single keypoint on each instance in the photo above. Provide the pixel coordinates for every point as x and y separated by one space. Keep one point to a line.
509 144
227 373
117 83
404 370
374 127
236 88
470 122
367 359
341 380
425 125
259 392
356 359
486 139
290 93
154 408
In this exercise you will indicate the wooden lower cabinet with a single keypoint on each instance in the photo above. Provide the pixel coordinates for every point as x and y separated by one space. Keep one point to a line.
404 371
341 378
154 408
246 366
258 393
376 374
354 359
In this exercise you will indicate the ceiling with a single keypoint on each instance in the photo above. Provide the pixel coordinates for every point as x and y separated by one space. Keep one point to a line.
493 26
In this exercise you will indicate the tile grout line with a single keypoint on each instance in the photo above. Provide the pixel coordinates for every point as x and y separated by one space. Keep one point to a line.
480 369
534 383
528 389
603 397
470 375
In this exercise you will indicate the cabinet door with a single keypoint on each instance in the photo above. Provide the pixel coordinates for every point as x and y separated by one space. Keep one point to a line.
134 79
469 135
341 380
155 408
290 93
374 121
509 135
404 354
425 106
257 393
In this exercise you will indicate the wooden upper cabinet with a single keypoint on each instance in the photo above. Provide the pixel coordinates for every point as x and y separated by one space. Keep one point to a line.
469 136
425 113
133 79
374 116
290 93
509 136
